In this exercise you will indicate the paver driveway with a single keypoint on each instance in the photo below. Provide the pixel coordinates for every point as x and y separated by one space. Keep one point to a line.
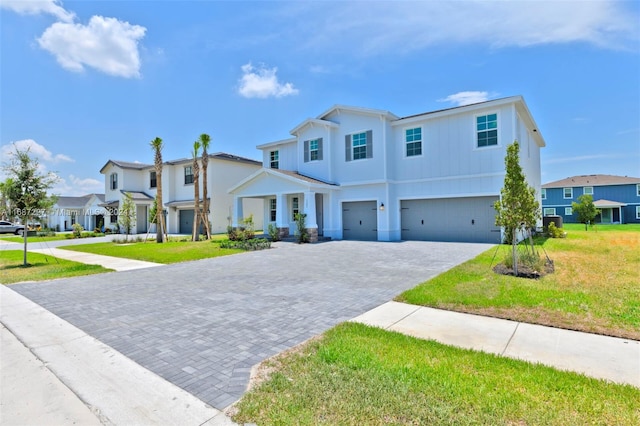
202 325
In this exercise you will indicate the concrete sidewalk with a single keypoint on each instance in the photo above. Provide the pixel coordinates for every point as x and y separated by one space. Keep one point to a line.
54 373
115 263
602 357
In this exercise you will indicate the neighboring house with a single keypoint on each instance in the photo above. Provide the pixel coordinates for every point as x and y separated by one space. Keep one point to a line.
367 174
617 197
139 181
67 211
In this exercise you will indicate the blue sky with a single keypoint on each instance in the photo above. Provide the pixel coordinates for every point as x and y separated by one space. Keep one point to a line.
82 82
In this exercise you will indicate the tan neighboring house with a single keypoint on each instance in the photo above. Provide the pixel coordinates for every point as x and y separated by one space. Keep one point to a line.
139 181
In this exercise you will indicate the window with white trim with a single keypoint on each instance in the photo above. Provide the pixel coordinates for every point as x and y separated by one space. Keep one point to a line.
637 212
188 175
313 150
113 179
543 193
359 146
413 141
274 162
567 193
568 211
272 209
549 211
638 190
587 190
295 207
487 130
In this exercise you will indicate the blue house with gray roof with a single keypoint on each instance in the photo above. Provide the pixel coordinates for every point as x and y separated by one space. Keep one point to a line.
617 197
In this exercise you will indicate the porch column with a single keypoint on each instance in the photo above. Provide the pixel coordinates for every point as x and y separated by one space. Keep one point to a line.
310 211
237 211
281 215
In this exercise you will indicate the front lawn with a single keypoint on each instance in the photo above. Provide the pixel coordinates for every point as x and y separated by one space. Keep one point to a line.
18 239
360 375
169 252
595 287
41 267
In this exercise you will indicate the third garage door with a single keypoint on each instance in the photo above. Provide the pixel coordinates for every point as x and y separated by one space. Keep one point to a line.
450 219
360 221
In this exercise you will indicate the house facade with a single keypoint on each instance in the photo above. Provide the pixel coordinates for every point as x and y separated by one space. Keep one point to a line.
139 181
85 210
367 174
617 197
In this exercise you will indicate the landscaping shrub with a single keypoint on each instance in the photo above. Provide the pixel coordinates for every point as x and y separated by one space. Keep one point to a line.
249 245
77 230
555 232
243 232
274 234
301 228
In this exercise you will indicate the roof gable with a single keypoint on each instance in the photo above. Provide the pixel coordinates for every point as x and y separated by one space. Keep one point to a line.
272 181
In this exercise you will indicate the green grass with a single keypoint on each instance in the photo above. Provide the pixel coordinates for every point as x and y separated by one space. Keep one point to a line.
169 252
594 287
41 267
359 375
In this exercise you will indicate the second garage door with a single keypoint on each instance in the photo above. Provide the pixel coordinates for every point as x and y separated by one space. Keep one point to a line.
450 219
360 221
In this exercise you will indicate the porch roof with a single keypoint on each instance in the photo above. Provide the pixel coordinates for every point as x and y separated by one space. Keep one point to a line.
255 184
138 195
608 204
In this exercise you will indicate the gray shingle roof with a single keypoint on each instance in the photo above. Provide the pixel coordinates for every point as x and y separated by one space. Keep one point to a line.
302 177
592 180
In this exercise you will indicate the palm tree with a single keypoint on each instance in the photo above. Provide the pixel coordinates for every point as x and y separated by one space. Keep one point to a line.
205 140
196 189
161 237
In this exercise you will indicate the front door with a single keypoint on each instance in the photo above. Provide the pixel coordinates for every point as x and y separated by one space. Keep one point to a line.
606 216
319 219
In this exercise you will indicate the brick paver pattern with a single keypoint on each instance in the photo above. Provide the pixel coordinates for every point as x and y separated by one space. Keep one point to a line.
202 325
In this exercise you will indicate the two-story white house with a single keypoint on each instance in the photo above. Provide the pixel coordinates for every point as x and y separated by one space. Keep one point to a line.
139 181
367 174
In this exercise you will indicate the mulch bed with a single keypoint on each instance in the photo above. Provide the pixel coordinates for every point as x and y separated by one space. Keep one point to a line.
525 271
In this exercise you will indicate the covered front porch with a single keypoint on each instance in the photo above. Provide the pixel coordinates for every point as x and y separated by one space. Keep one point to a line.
285 194
610 211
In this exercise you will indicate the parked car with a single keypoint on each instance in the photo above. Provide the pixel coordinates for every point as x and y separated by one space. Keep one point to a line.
11 228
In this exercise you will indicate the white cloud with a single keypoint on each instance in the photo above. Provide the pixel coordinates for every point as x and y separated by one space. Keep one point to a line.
262 82
467 98
401 27
106 44
36 7
75 186
36 150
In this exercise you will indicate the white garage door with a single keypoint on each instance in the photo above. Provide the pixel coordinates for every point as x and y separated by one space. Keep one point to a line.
450 219
360 221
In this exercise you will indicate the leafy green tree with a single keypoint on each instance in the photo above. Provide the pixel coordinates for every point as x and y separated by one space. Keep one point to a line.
161 234
5 203
26 189
127 214
585 209
518 208
205 141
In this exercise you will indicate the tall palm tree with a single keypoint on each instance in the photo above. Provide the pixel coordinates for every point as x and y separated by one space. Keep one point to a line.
161 235
205 140
197 215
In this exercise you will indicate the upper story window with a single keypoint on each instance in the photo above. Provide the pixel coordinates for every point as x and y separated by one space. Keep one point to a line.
152 180
359 146
188 175
113 181
313 150
588 190
413 140
295 207
567 192
638 190
543 193
487 130
274 159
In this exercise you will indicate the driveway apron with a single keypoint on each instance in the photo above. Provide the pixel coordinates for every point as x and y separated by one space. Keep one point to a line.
202 325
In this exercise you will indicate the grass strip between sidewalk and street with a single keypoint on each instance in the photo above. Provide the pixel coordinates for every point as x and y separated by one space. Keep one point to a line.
356 375
169 252
41 267
594 287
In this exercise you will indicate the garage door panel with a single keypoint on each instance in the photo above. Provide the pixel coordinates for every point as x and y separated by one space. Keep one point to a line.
360 221
450 219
